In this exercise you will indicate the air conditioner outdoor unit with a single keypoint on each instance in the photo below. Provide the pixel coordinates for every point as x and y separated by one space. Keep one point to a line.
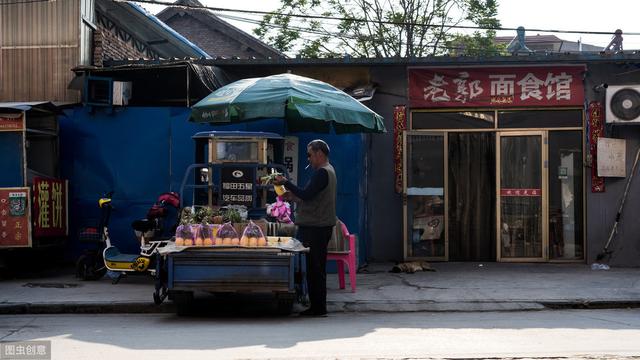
103 91
623 104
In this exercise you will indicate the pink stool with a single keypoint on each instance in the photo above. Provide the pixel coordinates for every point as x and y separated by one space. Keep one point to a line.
346 257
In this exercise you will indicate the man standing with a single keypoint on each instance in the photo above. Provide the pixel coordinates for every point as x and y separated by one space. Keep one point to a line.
316 217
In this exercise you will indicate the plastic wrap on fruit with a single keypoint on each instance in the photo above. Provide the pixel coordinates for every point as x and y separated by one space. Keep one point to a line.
281 210
253 236
227 236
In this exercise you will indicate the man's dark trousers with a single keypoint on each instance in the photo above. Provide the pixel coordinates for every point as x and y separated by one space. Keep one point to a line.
316 239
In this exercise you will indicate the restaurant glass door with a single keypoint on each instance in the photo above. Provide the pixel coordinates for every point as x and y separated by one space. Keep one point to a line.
521 179
425 159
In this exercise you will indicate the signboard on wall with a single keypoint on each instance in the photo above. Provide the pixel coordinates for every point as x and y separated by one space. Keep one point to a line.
14 217
456 87
11 122
237 185
49 207
612 157
291 157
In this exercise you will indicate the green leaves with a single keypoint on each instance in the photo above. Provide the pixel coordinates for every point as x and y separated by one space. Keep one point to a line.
380 28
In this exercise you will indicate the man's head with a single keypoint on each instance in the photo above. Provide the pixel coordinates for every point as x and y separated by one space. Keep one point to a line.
317 153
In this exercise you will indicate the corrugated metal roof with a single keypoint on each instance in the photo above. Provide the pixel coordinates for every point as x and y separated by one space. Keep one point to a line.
28 105
534 58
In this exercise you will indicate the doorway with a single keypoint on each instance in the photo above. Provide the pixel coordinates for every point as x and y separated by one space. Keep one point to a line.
471 196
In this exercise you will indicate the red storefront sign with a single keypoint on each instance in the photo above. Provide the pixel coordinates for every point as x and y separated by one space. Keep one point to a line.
456 87
9 122
399 125
49 207
14 217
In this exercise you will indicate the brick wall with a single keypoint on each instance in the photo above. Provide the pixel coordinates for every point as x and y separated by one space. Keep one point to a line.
106 45
212 42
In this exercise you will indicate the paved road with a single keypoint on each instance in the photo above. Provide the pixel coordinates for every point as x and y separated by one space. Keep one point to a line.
571 333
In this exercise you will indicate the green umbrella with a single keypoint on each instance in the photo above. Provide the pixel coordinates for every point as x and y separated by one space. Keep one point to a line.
306 105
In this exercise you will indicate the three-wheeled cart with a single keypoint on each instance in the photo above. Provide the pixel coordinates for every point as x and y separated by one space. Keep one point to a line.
33 197
227 171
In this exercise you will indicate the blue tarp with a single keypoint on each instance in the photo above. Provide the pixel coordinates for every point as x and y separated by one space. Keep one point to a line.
141 152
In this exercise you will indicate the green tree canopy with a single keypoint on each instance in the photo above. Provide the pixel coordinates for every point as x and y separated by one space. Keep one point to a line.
381 28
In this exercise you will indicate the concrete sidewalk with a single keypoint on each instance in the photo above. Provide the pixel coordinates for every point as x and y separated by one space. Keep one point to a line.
453 287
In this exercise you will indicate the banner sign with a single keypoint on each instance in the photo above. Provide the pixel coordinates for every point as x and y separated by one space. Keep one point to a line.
237 185
14 217
496 86
399 126
596 130
11 122
291 157
49 207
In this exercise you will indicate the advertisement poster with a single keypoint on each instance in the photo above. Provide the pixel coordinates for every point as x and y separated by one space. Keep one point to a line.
14 217
237 185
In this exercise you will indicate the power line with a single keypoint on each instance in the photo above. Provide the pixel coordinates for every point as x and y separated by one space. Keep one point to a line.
317 32
381 22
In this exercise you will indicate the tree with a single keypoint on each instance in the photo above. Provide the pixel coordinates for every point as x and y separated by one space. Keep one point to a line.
380 28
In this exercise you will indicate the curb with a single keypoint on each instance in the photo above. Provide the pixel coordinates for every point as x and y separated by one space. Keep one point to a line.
333 306
86 308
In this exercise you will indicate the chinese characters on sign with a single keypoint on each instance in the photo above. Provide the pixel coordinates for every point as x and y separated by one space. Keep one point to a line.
291 157
11 122
596 130
496 87
237 185
520 192
14 217
50 207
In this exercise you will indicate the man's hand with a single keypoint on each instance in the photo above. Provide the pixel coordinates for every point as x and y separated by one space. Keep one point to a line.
279 180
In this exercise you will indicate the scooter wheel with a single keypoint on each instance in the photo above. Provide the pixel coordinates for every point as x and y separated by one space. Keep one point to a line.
87 268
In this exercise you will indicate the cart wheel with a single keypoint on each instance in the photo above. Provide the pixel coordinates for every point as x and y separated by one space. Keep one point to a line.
159 295
87 268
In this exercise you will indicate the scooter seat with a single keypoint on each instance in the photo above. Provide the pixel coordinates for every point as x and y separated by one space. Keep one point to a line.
112 254
143 225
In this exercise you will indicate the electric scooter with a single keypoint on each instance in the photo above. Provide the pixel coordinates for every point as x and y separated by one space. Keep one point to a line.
94 263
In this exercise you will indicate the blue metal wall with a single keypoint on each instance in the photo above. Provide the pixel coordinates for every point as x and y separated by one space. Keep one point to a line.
11 167
140 152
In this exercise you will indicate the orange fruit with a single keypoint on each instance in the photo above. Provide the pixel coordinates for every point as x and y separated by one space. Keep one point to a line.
208 242
199 241
235 241
253 241
179 241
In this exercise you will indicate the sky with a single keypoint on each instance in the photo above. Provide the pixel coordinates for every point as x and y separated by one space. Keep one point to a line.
589 15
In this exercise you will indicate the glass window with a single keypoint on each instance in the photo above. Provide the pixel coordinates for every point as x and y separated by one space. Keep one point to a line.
425 196
452 120
237 151
513 119
565 195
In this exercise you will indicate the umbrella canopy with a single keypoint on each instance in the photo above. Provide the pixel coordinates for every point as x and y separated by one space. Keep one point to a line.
306 105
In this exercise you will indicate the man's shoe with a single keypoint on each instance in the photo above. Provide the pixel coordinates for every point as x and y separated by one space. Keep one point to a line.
313 313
